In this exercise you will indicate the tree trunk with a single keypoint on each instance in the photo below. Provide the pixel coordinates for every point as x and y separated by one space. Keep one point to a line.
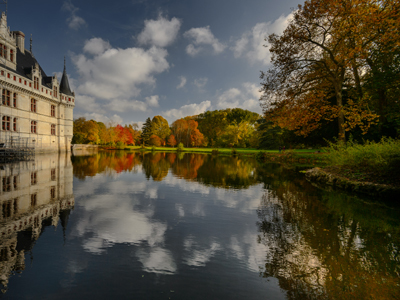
339 102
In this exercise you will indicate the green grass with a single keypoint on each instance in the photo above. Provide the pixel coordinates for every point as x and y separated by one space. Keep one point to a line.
376 162
228 151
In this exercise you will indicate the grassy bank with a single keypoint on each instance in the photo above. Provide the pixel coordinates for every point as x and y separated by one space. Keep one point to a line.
373 162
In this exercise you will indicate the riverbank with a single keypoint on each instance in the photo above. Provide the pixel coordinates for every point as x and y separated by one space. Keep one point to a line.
328 177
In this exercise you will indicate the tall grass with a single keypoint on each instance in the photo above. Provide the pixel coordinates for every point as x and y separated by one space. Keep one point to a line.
382 159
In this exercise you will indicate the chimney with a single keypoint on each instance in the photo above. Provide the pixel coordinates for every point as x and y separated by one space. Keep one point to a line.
20 40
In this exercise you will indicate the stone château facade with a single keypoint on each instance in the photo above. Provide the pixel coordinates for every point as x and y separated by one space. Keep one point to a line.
36 110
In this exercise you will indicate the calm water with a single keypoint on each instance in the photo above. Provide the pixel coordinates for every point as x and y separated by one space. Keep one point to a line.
189 226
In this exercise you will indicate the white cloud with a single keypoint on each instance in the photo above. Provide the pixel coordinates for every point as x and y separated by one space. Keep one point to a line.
124 105
74 21
246 98
186 110
115 119
160 33
251 44
152 100
201 37
96 46
117 72
182 83
200 82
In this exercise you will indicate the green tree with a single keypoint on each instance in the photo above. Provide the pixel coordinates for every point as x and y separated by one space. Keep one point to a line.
146 131
160 127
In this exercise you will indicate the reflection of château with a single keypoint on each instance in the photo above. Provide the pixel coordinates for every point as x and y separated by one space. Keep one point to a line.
31 193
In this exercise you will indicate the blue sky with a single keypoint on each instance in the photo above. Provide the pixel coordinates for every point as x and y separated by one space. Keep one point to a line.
132 59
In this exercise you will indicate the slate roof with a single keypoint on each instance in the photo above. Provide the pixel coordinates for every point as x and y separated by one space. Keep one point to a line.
25 62
64 85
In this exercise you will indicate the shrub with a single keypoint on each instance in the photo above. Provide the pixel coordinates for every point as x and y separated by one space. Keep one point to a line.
214 152
381 158
120 145
234 152
180 147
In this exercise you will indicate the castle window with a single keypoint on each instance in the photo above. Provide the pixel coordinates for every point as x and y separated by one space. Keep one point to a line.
33 178
55 91
6 123
33 126
6 97
36 83
15 100
20 80
15 124
53 174
53 192
3 51
12 55
53 129
6 184
33 105
15 181
25 82
15 78
53 111
33 200
8 75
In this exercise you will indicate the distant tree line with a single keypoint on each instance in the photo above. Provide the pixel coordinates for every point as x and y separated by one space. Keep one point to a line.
220 128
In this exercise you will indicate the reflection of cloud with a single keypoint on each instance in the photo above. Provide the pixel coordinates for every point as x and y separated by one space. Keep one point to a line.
110 220
158 260
180 210
245 200
199 257
190 186
151 193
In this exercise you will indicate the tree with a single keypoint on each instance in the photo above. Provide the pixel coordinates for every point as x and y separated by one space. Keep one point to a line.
160 127
146 131
171 141
312 65
155 141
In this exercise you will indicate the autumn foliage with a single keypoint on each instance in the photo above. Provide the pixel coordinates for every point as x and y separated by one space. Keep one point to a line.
336 60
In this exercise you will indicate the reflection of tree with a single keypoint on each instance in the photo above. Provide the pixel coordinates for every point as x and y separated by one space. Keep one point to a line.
156 165
337 248
117 161
187 166
228 172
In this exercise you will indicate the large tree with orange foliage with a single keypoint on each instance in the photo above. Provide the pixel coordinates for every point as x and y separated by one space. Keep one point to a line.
187 133
320 60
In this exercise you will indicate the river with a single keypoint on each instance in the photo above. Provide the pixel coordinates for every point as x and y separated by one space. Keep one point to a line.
124 225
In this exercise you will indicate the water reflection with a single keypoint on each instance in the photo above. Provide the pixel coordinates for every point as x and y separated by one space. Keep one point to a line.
146 224
226 172
324 245
33 195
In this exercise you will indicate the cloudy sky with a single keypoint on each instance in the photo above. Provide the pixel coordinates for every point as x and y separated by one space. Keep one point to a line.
132 59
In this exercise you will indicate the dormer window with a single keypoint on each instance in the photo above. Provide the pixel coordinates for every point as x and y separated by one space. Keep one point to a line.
3 51
36 83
